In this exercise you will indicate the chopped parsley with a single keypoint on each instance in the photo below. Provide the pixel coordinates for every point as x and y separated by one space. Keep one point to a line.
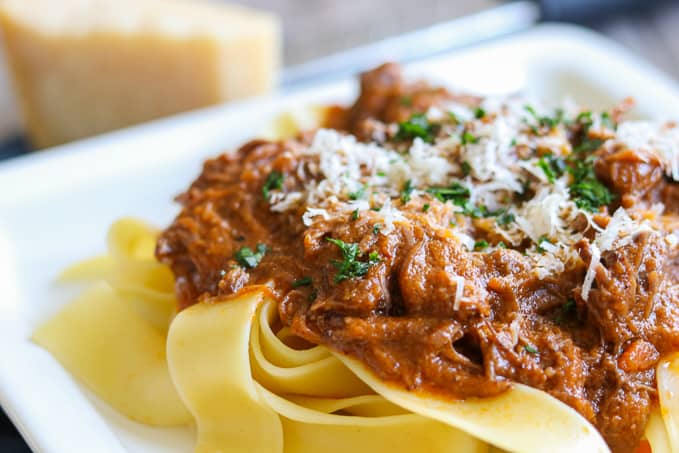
466 168
304 281
354 215
530 349
477 211
546 121
586 190
502 245
425 207
273 182
585 120
381 173
588 145
504 217
453 117
250 259
553 167
480 245
405 101
590 194
407 191
359 194
313 295
455 192
459 195
541 240
479 113
566 310
416 126
376 228
350 267
607 121
468 138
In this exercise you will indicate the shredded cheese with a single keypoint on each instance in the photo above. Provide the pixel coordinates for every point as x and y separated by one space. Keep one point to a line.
459 291
488 161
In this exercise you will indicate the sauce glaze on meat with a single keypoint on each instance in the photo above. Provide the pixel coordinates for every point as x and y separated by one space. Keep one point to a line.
597 355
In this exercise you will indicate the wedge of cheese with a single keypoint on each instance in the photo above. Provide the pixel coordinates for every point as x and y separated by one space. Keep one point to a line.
83 67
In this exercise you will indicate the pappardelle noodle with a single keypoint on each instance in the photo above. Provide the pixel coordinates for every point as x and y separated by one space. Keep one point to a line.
425 272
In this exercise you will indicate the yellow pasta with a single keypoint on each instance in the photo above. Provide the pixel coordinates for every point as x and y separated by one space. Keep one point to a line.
117 354
246 389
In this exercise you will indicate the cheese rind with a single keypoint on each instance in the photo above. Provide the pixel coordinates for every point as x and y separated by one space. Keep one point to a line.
81 68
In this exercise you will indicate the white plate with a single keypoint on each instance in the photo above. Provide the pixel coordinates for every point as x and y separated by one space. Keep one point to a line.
55 207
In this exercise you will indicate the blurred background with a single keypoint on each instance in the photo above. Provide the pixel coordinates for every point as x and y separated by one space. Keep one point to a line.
316 28
647 27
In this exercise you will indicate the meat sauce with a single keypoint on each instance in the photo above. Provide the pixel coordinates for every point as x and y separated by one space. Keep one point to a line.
399 318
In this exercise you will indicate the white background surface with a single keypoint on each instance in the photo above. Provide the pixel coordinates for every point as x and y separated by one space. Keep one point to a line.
55 207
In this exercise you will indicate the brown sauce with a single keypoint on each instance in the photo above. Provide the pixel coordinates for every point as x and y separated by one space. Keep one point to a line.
597 356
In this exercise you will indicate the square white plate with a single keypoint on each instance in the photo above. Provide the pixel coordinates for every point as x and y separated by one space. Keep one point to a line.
55 207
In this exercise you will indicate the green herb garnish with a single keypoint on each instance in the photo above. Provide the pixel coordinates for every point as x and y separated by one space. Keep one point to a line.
585 120
607 121
304 281
468 138
416 126
542 239
425 207
273 182
590 194
350 267
566 310
405 101
249 259
586 190
357 195
376 228
407 191
480 245
530 349
553 167
354 215
455 192
546 121
479 113
466 168
504 217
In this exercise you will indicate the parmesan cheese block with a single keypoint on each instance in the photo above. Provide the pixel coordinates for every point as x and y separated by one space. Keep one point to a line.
83 67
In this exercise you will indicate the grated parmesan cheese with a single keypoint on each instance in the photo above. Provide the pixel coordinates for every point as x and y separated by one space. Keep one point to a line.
480 155
620 231
459 291
591 272
661 139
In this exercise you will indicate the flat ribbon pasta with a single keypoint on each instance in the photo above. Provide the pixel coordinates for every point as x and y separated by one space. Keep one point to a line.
521 419
209 346
117 354
667 375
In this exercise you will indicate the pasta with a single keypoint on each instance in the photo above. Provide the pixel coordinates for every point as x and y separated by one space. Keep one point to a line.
246 389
